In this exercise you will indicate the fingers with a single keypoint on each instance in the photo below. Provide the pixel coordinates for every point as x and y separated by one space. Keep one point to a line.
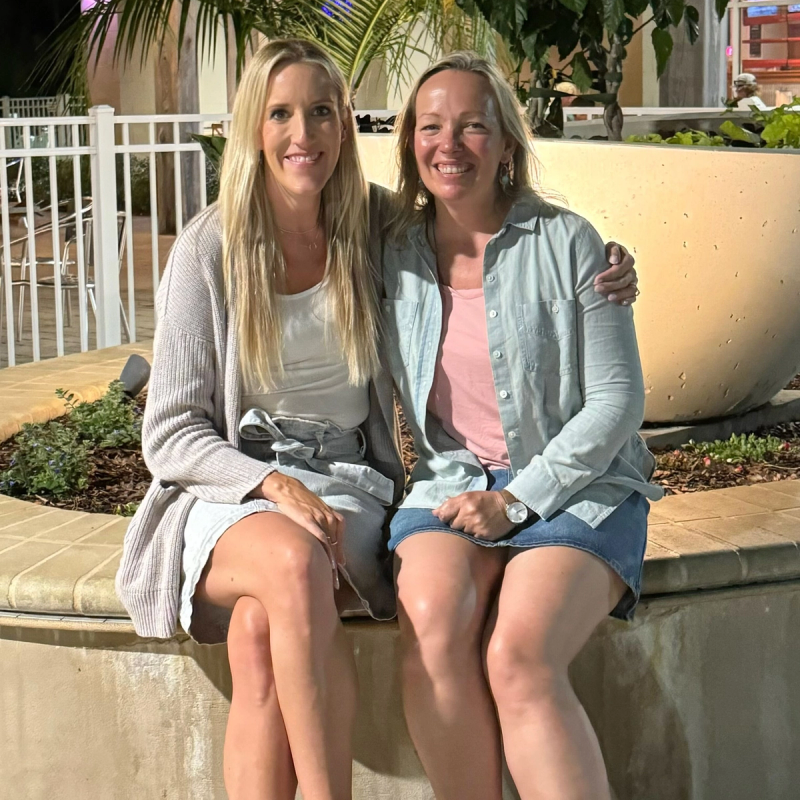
320 534
446 511
625 296
614 253
605 285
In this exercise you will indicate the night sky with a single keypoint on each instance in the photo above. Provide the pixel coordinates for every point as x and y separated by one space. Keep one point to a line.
24 25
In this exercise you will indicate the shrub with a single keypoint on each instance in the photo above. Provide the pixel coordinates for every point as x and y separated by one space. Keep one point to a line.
53 457
50 458
108 422
737 449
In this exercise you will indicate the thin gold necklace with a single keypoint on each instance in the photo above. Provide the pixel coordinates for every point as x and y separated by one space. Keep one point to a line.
312 245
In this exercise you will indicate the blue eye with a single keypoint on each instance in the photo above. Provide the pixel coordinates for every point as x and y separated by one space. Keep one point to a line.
322 111
278 113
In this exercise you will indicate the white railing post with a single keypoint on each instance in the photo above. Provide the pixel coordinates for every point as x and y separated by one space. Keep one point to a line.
5 105
104 214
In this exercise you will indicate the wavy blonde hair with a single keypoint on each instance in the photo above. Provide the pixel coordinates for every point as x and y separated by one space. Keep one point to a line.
253 262
414 201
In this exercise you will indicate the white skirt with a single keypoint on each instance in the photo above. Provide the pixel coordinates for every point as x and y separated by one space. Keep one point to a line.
330 463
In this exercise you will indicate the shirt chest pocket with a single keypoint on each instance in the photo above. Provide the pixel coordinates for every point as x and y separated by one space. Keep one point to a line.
548 336
399 317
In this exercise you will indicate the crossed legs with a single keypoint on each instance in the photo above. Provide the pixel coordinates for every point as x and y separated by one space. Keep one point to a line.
294 680
530 619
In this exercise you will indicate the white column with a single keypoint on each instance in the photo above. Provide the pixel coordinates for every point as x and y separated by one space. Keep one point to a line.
104 214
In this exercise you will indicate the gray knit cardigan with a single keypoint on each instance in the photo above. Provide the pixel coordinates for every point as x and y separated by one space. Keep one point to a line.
190 435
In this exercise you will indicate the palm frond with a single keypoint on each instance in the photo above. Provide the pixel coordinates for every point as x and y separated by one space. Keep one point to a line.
356 33
141 25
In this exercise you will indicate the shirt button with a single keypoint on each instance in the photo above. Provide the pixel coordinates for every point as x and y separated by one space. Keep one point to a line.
504 394
490 278
512 434
497 354
555 308
492 313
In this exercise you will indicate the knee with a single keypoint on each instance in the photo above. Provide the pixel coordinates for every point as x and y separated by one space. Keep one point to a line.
298 576
437 628
249 652
522 671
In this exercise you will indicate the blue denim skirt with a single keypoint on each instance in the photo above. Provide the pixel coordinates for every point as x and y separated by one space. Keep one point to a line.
619 540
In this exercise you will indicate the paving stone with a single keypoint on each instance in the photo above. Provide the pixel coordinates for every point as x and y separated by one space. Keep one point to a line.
112 531
15 560
78 526
765 555
49 585
764 495
95 593
15 522
705 562
663 570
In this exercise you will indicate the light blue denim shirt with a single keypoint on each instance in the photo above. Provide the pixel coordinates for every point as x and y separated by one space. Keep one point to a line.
565 363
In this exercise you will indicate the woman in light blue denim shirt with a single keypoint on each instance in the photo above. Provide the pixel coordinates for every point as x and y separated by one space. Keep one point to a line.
505 564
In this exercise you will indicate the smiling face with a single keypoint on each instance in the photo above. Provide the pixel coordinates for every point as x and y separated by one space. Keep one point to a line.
302 132
458 139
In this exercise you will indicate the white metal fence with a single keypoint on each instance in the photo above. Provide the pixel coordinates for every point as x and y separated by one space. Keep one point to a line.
68 226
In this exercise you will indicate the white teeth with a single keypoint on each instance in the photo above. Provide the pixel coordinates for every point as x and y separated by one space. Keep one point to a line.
298 159
452 169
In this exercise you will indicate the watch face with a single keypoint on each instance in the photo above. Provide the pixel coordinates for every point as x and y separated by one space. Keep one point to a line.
517 512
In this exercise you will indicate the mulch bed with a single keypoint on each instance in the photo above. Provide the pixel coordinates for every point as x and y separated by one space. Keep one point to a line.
680 472
120 477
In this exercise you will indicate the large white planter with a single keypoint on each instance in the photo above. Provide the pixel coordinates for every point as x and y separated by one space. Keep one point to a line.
716 235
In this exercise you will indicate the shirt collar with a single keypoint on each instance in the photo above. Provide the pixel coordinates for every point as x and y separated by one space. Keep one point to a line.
523 214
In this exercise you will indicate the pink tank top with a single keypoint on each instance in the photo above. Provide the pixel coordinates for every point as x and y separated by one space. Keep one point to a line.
463 397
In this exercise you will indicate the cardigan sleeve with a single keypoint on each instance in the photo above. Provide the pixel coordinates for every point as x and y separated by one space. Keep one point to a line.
613 393
180 442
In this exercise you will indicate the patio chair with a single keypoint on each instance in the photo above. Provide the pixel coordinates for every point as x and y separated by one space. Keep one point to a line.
69 268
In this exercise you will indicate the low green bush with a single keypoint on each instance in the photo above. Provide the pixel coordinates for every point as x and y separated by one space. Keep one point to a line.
50 458
738 449
54 457
108 422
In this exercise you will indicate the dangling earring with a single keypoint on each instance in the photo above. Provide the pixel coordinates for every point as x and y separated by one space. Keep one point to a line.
504 174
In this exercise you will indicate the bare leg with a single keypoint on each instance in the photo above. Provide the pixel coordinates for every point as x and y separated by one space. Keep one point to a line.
257 763
271 559
551 600
445 586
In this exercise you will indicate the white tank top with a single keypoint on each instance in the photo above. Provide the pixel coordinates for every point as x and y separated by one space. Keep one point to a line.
314 385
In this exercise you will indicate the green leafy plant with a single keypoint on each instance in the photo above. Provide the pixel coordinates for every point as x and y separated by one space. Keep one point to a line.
108 422
688 138
49 458
53 457
780 127
593 35
737 449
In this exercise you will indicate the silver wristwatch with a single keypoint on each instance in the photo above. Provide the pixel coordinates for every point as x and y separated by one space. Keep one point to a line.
516 512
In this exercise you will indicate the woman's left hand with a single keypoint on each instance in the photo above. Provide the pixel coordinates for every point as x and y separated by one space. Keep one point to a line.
481 514
619 283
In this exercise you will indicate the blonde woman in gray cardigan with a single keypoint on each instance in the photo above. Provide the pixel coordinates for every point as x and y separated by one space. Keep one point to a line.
267 395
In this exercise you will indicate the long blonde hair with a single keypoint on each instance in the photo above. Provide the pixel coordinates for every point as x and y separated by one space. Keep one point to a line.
253 262
414 201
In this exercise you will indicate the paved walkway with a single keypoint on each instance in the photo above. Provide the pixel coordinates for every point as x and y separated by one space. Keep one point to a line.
62 562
